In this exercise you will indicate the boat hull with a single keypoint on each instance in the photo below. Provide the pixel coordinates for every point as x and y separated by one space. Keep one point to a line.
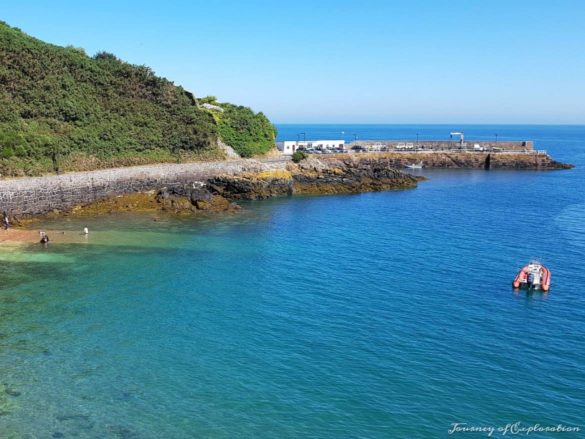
523 278
415 166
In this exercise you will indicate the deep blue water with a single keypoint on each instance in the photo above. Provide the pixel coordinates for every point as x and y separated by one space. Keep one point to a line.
382 315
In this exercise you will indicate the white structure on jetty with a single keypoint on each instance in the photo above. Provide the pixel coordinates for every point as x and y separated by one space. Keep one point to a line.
288 147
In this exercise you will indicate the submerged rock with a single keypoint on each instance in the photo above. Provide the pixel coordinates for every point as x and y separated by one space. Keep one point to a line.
121 432
73 417
11 392
77 421
6 406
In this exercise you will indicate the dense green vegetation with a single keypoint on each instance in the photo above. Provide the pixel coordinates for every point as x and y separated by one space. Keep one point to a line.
61 109
247 132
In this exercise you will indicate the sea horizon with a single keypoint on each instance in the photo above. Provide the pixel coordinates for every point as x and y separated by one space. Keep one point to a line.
411 132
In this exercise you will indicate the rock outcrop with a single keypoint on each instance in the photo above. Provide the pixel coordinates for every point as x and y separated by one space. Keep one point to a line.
348 174
192 198
252 186
314 176
179 199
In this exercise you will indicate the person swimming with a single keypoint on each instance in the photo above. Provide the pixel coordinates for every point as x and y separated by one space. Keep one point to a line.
44 238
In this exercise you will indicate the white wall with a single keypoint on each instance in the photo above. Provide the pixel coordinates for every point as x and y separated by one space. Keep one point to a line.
290 146
287 147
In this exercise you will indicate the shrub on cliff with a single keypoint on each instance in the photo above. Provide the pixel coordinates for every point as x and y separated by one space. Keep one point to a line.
57 101
299 156
247 132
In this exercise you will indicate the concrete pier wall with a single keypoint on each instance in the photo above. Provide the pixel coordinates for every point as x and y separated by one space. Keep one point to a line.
462 160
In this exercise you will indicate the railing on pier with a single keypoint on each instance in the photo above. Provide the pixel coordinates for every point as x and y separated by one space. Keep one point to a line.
443 151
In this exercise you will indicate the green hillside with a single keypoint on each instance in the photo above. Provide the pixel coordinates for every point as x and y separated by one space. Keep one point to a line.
247 132
63 110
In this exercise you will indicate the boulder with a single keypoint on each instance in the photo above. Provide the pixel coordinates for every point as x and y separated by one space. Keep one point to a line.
200 195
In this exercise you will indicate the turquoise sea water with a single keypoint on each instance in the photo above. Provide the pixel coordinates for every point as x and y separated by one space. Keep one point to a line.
382 315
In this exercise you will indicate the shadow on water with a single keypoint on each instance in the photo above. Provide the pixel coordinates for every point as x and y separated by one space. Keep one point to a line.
530 294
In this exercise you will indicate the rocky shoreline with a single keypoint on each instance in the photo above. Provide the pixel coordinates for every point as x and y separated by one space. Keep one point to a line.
220 193
218 186
336 174
314 177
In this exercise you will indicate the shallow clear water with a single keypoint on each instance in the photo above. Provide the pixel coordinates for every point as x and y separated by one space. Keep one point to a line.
374 315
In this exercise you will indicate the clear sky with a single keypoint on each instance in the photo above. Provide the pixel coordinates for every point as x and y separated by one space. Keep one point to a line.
360 61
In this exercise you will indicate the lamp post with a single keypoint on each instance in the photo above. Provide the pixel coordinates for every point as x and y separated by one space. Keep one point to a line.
496 134
417 140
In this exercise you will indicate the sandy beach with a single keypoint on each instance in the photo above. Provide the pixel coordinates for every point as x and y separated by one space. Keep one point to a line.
17 236
12 236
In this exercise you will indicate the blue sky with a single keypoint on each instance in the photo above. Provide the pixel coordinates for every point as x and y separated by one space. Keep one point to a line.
411 61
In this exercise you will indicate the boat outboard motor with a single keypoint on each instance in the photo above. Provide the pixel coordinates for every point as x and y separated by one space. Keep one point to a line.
530 280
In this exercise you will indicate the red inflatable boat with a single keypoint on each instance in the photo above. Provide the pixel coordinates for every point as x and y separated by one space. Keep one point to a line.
533 276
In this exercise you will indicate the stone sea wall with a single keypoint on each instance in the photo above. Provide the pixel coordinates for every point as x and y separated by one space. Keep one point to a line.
22 197
246 179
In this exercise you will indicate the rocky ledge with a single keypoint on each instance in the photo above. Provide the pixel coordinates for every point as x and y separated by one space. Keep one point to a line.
315 177
219 193
179 199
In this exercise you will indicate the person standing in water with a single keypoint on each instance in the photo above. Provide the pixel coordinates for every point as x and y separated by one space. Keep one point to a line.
44 238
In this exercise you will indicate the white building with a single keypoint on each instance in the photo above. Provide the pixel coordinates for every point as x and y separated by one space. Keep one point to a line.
290 146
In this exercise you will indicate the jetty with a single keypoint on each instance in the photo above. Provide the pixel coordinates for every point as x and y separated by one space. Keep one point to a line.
525 146
452 145
456 152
